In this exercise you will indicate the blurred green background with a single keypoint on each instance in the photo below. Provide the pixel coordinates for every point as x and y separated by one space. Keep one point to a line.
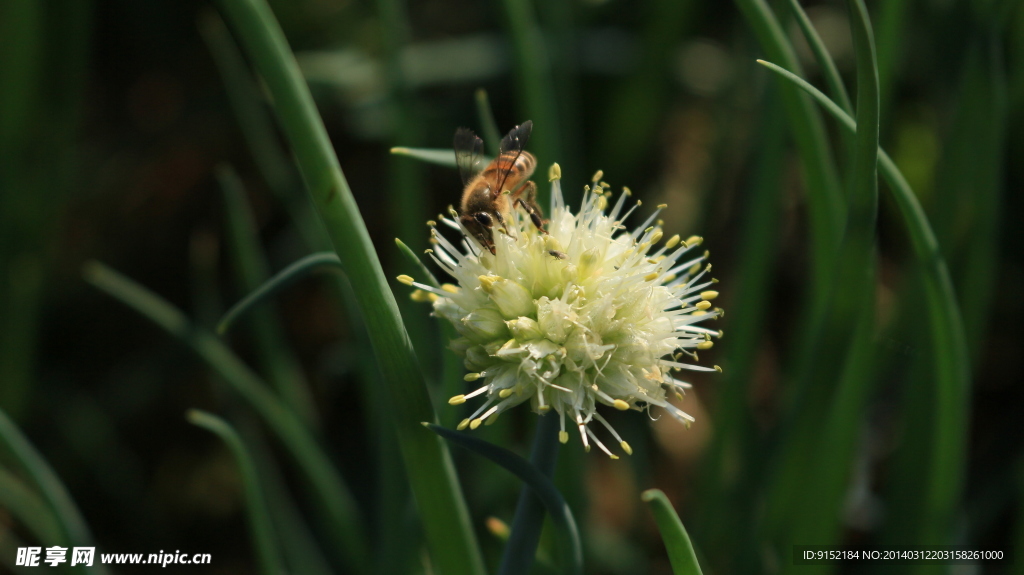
119 119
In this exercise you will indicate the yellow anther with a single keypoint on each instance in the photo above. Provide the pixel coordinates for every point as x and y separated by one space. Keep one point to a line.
620 405
669 278
598 176
602 203
662 206
544 408
721 333
651 276
463 424
475 423
563 436
450 288
627 191
507 392
431 223
625 447
718 369
656 236
554 172
498 528
694 241
487 282
586 448
457 400
708 295
693 269
703 305
492 419
471 377
605 184
705 345
407 280
420 296
699 313
613 456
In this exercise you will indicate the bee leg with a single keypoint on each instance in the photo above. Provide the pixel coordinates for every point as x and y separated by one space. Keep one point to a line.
529 190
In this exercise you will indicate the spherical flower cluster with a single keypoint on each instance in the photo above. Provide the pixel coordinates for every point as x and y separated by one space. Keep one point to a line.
585 314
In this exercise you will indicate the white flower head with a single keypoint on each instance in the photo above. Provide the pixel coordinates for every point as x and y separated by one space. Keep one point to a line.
588 313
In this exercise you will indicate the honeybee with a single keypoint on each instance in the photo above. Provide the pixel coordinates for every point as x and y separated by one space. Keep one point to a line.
491 194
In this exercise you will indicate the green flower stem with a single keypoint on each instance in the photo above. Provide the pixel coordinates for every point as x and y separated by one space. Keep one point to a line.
824 198
677 541
72 525
260 525
428 462
529 518
949 344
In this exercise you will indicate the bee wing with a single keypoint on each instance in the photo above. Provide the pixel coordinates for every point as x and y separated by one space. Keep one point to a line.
469 150
512 146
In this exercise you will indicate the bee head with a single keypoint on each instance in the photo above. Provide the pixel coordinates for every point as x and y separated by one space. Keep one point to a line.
479 224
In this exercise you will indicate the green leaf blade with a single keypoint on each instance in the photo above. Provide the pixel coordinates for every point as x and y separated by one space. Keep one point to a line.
280 281
261 528
677 541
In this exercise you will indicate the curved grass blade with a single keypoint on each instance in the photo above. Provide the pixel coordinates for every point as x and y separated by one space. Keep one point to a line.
439 156
488 125
428 463
27 508
677 541
828 66
952 367
824 196
334 500
280 281
73 528
549 496
282 369
261 528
